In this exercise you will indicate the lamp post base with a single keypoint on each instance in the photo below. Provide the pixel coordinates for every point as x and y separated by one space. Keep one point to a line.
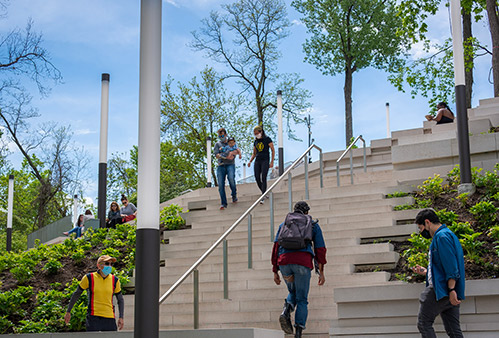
466 188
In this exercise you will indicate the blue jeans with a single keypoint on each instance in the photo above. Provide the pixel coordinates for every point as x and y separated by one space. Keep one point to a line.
229 171
298 290
77 230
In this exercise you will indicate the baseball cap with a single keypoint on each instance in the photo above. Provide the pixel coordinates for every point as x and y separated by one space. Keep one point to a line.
106 258
231 139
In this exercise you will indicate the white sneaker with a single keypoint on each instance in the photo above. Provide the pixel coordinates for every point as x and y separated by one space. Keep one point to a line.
262 201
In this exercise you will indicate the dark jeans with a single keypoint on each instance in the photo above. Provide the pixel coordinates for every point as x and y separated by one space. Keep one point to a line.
112 222
261 171
229 171
96 323
429 309
76 229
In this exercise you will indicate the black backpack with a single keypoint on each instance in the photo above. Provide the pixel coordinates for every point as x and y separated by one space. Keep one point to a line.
296 232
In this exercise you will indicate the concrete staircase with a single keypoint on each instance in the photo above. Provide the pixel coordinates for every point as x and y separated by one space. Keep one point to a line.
353 218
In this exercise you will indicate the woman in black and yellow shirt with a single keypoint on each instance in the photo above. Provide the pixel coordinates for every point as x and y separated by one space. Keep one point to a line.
263 161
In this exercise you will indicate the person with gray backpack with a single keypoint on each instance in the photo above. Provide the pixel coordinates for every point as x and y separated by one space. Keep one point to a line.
298 246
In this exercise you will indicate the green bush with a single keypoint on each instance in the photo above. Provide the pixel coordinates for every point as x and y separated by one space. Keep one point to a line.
494 232
11 301
170 217
404 207
78 256
432 187
417 254
22 273
5 324
52 266
463 198
446 217
397 194
460 229
471 246
485 213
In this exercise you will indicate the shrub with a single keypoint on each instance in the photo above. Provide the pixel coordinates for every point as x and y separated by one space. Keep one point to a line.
52 266
22 273
11 301
5 324
417 254
170 217
404 207
471 246
423 203
397 194
446 217
78 256
484 213
494 233
432 187
463 198
460 229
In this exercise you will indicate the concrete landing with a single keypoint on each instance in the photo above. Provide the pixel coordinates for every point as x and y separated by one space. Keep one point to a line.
202 333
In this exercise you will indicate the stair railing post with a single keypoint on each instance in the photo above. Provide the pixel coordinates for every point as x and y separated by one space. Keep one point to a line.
250 242
338 174
351 166
196 298
290 191
225 270
306 177
271 201
321 166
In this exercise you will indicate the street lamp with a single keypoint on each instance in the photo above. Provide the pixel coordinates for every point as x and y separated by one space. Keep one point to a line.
309 125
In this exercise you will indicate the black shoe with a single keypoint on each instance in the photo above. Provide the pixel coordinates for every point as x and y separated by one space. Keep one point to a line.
285 318
298 332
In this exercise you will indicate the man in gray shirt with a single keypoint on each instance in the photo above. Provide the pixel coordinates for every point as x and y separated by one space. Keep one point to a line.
226 168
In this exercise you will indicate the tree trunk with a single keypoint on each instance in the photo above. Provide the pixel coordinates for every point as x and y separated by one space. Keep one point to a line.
348 105
494 33
468 59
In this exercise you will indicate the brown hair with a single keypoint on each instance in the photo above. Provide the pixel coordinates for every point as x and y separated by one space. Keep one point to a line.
260 129
114 203
222 129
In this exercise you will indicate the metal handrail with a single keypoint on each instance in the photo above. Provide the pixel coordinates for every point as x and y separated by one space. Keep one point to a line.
351 160
224 236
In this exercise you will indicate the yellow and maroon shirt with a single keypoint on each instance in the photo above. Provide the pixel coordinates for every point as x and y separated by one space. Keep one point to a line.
100 293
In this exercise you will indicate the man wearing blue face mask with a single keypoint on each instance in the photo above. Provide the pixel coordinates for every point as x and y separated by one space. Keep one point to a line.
226 168
101 286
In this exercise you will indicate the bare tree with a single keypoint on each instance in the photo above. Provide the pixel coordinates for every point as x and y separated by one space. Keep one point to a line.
246 37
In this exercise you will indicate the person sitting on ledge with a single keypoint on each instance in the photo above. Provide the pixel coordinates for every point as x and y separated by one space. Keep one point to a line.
444 114
78 228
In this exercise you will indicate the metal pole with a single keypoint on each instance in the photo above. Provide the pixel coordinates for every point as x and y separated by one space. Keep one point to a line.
196 298
280 133
365 159
104 113
244 170
208 162
309 137
388 133
271 201
462 114
351 167
290 191
250 242
147 241
321 170
75 209
10 209
338 173
306 176
225 269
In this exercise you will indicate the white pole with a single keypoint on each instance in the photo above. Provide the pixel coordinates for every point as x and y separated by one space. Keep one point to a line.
104 113
244 170
388 133
10 209
280 133
75 209
457 42
208 161
147 242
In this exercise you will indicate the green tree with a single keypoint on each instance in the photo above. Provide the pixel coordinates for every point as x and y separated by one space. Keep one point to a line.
350 35
194 111
245 37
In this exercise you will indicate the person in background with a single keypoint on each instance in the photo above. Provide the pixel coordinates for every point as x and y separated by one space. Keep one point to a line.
445 277
101 286
226 169
296 267
444 114
128 210
88 215
263 161
113 215
78 228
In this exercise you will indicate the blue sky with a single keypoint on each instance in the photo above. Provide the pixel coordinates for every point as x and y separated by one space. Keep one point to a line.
89 37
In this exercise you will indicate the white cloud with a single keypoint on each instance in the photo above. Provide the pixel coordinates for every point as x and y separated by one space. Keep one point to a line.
85 131
297 22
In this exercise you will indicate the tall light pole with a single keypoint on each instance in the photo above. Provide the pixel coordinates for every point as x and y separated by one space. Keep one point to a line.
388 133
309 125
147 241
10 209
280 149
75 209
462 114
104 114
208 162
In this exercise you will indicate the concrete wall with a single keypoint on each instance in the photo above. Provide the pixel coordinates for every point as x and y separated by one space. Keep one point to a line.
56 229
391 310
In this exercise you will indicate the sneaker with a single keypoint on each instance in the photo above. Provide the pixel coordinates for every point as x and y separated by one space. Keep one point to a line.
222 207
234 199
262 201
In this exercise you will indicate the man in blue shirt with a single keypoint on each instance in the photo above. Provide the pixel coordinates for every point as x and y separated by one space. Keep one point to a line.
444 277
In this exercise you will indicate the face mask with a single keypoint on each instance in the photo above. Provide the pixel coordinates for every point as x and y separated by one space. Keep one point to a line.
259 136
425 233
223 138
107 270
